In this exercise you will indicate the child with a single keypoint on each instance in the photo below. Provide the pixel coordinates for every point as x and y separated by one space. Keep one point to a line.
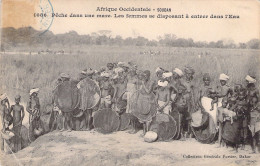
242 112
221 119
18 115
214 96
163 97
33 108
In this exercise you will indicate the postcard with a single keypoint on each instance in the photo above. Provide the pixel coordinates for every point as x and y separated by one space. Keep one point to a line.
116 82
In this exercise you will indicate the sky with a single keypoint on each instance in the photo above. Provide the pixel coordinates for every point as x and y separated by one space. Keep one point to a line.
20 13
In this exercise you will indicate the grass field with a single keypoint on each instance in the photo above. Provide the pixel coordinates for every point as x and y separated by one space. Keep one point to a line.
19 73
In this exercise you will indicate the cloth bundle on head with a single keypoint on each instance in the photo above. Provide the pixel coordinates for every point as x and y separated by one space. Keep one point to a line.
64 75
34 90
189 70
84 71
105 74
167 75
90 71
118 70
223 77
178 71
3 96
114 76
250 79
158 69
162 83
122 64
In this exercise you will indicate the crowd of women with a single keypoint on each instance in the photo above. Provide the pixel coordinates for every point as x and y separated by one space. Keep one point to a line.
234 111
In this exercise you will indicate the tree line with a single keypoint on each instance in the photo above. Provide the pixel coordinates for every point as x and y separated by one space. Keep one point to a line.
12 37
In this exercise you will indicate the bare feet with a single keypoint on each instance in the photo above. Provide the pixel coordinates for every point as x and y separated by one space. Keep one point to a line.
132 132
142 135
61 130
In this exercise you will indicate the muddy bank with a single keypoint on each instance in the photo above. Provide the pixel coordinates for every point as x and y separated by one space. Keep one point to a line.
121 148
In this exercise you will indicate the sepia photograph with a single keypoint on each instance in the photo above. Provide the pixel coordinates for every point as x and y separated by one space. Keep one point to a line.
115 82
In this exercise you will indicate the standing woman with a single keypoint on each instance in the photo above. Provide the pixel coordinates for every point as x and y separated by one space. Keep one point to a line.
143 103
130 86
189 85
4 123
205 102
252 91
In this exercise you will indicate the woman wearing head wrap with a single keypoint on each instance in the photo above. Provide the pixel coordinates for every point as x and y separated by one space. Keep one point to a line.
163 97
223 90
106 90
6 118
252 91
4 121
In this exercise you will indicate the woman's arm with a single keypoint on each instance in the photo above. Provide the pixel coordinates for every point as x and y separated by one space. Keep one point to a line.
149 89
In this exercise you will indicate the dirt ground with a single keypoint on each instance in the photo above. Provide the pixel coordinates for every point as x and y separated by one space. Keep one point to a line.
121 148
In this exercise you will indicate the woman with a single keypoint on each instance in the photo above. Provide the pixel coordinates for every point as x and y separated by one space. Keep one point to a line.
188 94
205 105
130 86
143 101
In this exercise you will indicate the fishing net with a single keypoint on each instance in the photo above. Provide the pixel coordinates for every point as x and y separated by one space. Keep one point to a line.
143 106
106 121
231 132
66 96
165 126
206 131
90 93
125 120
177 117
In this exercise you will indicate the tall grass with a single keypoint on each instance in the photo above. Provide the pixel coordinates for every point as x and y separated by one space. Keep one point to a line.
19 73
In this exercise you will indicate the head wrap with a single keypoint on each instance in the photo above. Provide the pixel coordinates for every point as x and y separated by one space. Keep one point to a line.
167 75
115 76
64 75
178 71
250 79
162 83
84 72
158 69
206 77
189 70
122 64
3 96
34 90
105 74
90 71
223 77
119 70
